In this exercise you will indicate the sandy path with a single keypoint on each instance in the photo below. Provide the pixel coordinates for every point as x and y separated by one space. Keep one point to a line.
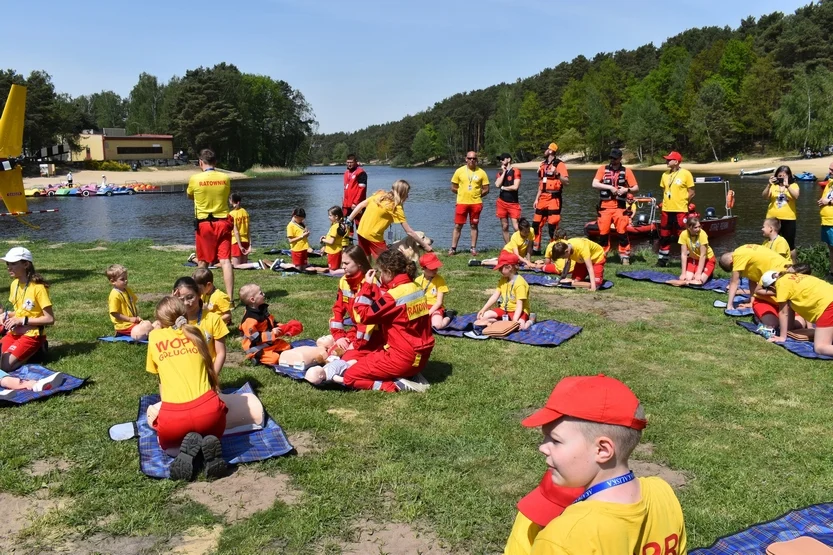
157 177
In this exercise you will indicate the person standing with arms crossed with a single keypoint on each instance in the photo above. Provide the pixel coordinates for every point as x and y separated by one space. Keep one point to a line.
615 182
677 191
552 176
355 189
212 223
508 182
471 184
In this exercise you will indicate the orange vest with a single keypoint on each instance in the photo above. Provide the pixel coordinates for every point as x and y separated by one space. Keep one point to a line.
613 177
259 343
548 184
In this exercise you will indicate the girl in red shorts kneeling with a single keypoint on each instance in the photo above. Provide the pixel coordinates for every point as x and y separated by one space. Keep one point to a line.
696 255
192 416
807 296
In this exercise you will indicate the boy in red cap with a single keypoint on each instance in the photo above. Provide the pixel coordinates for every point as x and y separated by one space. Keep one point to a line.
511 295
435 289
591 425
677 191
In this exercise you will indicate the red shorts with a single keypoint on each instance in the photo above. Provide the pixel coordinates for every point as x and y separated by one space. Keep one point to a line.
334 261
507 210
235 249
708 269
761 308
126 331
214 240
21 347
501 313
470 211
580 272
372 248
440 311
205 415
300 258
826 320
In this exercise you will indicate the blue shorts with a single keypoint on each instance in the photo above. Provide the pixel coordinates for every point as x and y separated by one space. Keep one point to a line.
827 235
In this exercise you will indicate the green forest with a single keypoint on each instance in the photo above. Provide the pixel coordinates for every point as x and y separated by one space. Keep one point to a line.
711 93
248 119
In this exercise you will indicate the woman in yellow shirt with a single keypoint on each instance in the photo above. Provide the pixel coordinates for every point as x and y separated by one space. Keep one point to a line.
807 296
826 212
782 191
213 328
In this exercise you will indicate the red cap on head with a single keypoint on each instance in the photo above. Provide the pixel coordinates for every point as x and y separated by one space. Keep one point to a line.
547 501
429 261
505 258
599 399
674 155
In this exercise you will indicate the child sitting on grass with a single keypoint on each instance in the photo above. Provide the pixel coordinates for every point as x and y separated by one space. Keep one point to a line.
435 288
122 304
696 255
511 296
591 425
261 334
213 300
520 244
772 240
589 258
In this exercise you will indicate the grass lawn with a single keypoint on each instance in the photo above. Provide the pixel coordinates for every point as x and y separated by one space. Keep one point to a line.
747 423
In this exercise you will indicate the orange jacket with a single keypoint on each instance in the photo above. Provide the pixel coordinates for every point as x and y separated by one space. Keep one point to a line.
259 343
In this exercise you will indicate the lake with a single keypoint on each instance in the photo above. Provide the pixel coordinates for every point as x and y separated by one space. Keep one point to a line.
168 218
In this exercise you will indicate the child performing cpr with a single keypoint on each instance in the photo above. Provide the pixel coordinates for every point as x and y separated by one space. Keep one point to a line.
511 295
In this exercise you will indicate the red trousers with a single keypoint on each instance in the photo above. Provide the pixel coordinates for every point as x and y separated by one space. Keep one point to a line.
379 369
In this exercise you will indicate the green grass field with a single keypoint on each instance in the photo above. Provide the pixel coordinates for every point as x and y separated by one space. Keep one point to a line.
747 423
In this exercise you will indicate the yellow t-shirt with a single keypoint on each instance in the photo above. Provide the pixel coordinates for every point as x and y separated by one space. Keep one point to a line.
523 534
210 190
778 245
122 302
241 220
294 230
781 205
431 288
213 328
378 216
827 211
29 301
469 185
694 246
753 260
559 264
217 302
182 371
584 249
675 186
654 524
520 243
512 291
809 296
338 242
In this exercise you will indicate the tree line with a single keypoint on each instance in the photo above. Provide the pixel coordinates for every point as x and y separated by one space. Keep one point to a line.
711 92
247 119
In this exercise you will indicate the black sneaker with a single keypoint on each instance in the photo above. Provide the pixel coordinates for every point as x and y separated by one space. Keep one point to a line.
451 314
212 454
662 263
183 466
474 262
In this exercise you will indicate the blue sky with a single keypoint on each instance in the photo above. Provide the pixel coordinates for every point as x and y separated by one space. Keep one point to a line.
357 63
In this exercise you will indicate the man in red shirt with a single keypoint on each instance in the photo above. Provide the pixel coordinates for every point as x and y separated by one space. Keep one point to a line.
355 188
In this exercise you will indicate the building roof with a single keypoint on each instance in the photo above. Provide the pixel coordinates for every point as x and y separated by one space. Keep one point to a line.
141 137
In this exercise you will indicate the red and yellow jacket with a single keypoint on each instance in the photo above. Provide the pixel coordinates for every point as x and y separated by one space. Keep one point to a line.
401 312
348 287
259 343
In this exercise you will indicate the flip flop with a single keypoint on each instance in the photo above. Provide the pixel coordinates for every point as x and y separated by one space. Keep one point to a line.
124 431
719 304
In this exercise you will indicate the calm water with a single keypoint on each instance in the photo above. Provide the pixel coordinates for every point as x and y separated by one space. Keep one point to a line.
168 218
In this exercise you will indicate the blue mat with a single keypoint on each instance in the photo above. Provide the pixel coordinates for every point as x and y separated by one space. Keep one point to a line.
815 521
287 252
547 333
720 285
549 281
237 449
194 265
289 371
804 349
121 339
37 372
735 311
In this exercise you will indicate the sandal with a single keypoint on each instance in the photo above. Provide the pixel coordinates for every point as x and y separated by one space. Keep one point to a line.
473 251
452 251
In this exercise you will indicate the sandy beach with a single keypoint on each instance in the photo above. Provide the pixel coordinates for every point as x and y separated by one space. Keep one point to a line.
158 177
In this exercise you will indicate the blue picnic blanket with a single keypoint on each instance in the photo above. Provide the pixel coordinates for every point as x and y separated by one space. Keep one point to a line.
121 339
287 252
720 285
735 311
804 349
237 449
549 281
547 333
37 372
289 371
815 521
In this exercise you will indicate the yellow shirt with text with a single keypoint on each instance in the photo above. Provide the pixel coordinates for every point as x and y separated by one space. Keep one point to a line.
781 203
431 287
809 296
826 212
124 303
675 186
29 301
520 243
294 230
241 220
470 185
378 216
210 190
182 371
694 246
512 291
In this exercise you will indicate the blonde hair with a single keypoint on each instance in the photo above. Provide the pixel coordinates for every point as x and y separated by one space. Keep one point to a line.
168 311
115 271
397 195
691 222
247 291
774 223
625 439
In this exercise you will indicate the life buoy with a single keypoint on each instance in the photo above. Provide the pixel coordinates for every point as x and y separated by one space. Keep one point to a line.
85 193
730 199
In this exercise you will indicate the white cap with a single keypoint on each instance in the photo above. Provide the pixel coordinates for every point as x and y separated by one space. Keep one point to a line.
17 254
768 279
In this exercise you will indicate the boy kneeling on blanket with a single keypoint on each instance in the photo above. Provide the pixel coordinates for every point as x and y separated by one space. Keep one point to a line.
261 334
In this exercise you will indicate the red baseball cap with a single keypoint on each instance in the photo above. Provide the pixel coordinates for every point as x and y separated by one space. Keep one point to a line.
599 399
674 155
505 258
547 501
429 261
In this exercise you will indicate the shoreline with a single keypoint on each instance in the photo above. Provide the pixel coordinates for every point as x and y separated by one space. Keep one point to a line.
157 177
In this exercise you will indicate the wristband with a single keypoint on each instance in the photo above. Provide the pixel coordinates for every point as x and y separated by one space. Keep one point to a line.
25 320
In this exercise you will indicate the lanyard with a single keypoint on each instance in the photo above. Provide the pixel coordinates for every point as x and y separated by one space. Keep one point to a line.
130 306
505 301
607 484
16 289
199 317
427 285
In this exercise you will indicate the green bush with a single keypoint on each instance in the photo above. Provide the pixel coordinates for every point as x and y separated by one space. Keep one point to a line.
106 165
817 257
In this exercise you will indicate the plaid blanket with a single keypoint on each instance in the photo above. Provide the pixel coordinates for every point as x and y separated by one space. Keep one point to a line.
804 349
548 281
121 339
547 333
37 372
720 285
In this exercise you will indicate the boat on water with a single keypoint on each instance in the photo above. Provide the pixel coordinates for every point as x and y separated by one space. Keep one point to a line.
744 172
806 176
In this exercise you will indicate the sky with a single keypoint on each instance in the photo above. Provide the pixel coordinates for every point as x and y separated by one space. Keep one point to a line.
357 63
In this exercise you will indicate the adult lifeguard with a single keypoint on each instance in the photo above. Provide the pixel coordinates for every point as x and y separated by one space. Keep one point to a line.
552 176
471 184
508 181
615 182
355 188
210 191
677 191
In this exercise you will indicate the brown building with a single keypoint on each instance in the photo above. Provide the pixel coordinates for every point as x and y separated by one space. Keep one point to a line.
114 145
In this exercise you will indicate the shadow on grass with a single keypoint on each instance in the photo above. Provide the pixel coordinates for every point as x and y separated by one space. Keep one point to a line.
436 372
68 349
61 276
275 293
